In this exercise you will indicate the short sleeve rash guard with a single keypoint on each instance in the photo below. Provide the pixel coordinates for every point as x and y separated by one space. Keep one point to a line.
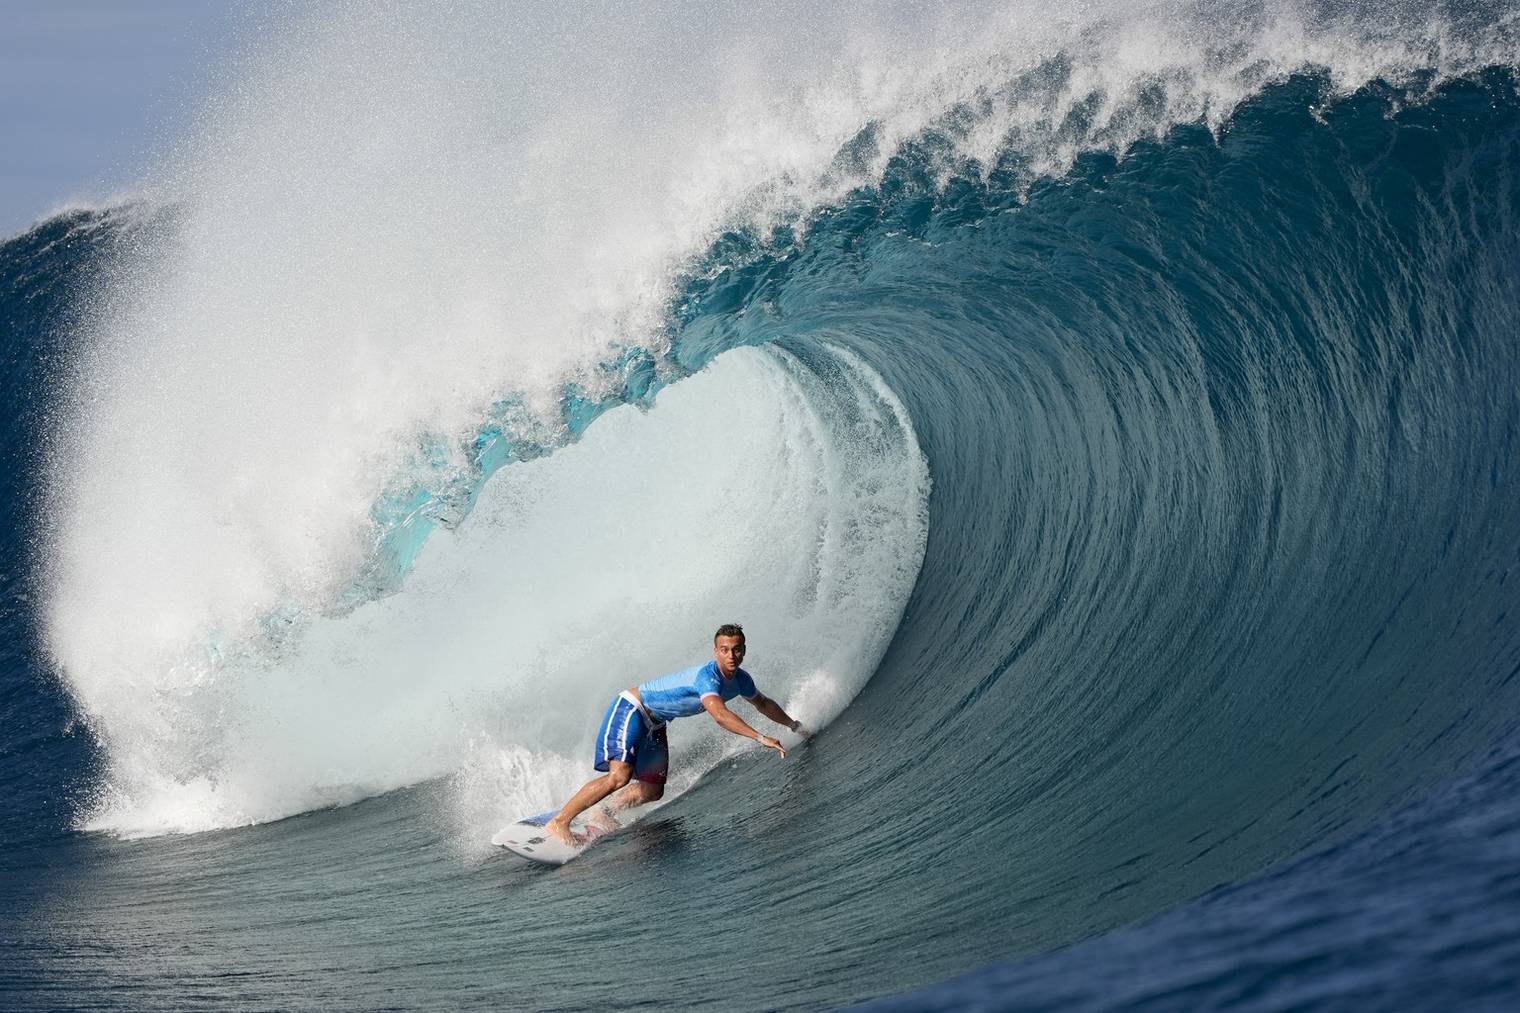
680 694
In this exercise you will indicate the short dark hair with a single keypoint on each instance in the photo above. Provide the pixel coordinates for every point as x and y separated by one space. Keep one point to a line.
729 630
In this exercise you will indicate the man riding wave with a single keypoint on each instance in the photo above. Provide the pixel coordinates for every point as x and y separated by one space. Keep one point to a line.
631 743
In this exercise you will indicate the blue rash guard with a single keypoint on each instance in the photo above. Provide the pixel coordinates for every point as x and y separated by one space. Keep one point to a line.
679 694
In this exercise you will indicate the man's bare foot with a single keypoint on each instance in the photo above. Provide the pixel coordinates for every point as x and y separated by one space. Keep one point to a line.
561 830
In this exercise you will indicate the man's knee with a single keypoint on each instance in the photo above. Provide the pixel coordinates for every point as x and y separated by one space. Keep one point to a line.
619 775
653 792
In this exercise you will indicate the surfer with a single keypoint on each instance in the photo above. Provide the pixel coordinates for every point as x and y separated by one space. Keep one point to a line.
631 744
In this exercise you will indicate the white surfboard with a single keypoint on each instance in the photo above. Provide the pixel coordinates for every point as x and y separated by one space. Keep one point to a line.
528 838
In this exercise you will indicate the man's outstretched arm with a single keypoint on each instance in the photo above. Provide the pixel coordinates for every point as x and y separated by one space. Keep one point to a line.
771 709
714 705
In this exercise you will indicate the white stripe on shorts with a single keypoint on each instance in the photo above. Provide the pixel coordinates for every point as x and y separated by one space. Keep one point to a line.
623 735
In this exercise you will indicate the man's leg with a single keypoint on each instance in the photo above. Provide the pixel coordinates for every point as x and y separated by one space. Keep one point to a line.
615 752
651 765
592 792
637 793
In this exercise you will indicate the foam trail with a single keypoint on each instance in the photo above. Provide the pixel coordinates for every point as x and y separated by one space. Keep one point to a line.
760 490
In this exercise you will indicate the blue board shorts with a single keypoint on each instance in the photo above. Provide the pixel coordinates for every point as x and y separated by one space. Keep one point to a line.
629 735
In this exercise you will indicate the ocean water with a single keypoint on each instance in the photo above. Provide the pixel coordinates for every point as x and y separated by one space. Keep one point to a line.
1102 419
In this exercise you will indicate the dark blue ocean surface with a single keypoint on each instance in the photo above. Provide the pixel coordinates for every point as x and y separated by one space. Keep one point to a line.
1420 911
1206 694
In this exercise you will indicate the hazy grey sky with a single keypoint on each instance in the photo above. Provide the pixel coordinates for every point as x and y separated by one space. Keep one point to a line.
89 88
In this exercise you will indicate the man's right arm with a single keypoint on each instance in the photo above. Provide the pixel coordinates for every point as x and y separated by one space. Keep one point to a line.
713 704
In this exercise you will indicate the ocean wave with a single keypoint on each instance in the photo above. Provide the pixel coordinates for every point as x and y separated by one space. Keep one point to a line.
1199 318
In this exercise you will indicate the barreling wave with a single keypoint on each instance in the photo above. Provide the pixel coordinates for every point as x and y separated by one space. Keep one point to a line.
399 443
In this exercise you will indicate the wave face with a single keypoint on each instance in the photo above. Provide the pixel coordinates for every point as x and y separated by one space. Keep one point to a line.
1104 424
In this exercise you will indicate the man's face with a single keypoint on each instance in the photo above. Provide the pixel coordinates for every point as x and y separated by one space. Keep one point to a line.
730 652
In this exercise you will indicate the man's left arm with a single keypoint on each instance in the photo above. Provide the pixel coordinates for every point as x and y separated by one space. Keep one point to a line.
771 709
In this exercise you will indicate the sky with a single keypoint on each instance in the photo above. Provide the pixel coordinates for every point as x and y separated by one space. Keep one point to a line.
90 89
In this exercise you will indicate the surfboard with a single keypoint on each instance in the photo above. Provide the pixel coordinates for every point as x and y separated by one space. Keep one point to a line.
528 838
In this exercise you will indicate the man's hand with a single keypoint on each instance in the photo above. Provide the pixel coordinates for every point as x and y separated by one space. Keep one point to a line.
770 743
